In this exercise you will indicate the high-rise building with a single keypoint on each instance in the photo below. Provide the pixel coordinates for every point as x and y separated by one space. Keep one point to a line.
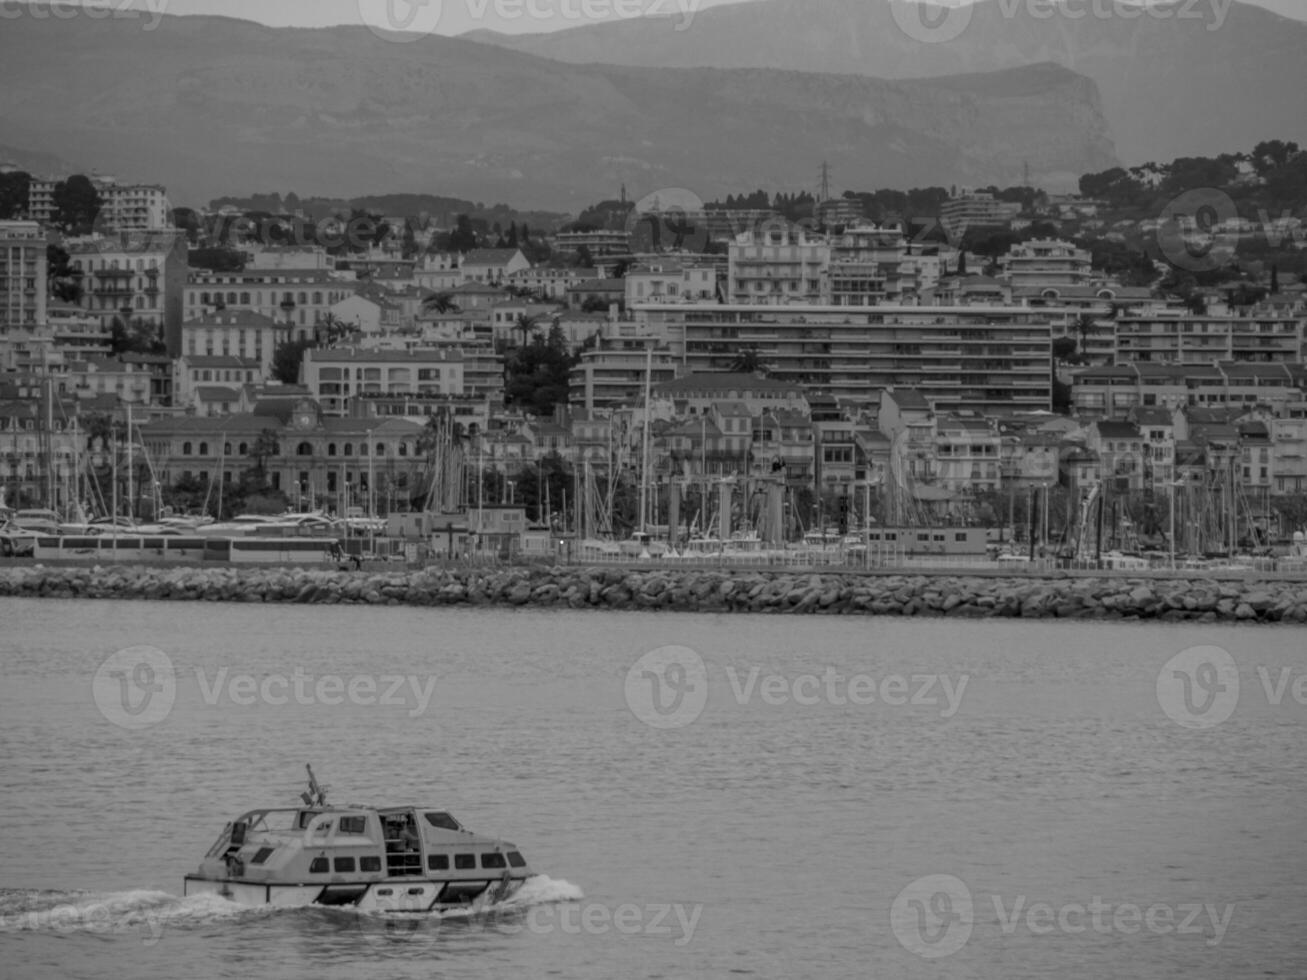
23 274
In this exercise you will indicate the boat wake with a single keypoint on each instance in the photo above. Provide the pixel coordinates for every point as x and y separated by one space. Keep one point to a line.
139 910
149 913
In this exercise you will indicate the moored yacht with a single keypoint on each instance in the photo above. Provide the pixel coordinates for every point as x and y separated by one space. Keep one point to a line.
375 859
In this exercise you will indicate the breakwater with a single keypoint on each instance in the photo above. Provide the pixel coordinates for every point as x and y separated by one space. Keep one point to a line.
686 590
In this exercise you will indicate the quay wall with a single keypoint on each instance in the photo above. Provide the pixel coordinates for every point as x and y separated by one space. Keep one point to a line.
687 590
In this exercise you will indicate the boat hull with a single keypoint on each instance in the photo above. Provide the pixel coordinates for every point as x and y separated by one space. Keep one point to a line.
395 895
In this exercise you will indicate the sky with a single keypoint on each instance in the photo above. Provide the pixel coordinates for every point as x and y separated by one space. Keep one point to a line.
452 17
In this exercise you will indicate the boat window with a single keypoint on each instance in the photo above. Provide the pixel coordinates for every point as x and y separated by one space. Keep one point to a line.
438 862
263 854
385 891
304 818
416 891
369 864
319 866
353 825
464 861
494 860
515 860
344 864
443 820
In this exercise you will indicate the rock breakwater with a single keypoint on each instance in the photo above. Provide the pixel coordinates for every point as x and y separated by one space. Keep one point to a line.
686 590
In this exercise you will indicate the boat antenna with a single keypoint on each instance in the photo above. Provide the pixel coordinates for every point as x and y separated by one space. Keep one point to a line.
315 795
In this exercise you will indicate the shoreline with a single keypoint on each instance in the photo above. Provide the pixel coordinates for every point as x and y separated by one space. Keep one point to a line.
1079 597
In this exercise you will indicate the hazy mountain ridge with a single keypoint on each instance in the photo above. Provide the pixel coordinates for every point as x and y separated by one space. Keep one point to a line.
211 106
1185 85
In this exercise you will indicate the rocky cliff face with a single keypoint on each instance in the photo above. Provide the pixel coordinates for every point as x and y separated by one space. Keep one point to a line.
1186 78
211 106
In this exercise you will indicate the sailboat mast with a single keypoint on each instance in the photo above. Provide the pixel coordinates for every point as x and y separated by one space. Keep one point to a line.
644 464
131 511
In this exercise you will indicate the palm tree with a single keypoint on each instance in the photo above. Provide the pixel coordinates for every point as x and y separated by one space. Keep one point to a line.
265 446
748 361
440 303
528 326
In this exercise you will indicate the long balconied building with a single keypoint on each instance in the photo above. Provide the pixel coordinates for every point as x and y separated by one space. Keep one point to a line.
978 358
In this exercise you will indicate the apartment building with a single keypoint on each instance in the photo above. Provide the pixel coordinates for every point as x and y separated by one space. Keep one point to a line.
1179 337
23 275
336 376
778 264
670 282
975 209
299 299
138 276
1046 263
234 333
613 373
963 358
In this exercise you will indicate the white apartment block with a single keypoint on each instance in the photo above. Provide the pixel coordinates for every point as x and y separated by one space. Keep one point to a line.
778 265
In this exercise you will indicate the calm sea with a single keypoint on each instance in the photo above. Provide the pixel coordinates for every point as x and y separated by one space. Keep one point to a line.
772 797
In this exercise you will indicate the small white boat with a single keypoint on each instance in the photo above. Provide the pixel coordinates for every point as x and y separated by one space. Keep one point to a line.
375 859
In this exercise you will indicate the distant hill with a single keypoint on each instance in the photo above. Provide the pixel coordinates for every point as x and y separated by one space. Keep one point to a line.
1180 85
213 106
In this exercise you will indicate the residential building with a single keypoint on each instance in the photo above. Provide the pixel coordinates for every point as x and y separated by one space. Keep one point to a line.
982 358
23 275
492 266
136 277
1120 450
300 298
600 244
777 265
975 209
670 282
1179 337
194 371
1045 263
335 377
695 394
613 373
238 333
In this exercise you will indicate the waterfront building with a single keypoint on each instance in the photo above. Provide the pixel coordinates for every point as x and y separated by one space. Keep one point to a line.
23 275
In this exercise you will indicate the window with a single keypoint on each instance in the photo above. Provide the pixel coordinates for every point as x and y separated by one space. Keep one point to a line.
442 820
186 448
369 864
493 860
353 825
204 449
262 855
319 866
515 860
344 865
331 449
304 449
465 861
437 862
